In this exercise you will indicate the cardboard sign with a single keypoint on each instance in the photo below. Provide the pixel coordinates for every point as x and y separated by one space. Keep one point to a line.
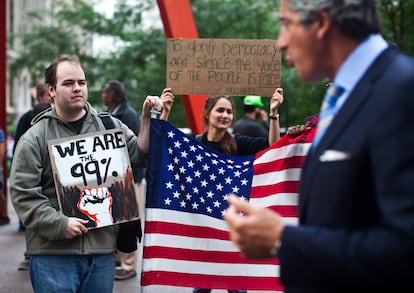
93 177
234 67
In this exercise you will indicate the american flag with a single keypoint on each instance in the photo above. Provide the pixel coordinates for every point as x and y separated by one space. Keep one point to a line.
186 241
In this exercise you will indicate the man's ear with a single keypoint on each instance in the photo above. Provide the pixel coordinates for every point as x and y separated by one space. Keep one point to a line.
51 90
323 22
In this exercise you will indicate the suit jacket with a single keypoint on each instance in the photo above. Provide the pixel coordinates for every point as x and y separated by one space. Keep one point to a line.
356 201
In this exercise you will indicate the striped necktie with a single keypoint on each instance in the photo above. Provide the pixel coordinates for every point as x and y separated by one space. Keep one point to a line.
328 111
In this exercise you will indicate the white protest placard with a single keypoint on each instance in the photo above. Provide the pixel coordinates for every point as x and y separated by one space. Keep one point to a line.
93 177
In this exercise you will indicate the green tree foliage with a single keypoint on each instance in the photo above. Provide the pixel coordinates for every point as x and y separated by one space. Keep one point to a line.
136 56
398 23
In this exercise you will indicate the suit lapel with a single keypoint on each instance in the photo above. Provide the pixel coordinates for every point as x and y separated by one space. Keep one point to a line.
358 96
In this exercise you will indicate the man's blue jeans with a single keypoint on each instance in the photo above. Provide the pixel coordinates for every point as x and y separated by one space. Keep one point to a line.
72 273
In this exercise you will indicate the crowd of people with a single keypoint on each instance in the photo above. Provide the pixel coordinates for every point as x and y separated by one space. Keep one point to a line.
356 217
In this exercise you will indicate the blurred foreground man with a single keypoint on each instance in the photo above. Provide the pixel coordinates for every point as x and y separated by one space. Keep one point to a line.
356 201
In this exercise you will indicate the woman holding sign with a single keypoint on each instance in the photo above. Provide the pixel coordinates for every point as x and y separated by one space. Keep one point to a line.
218 116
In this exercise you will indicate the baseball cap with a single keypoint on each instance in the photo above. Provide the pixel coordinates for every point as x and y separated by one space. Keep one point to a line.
253 101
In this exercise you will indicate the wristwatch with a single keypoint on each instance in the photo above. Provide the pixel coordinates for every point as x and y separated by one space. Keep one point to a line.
274 117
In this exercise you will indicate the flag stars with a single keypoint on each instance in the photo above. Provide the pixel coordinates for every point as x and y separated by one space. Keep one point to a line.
244 181
170 167
169 185
198 179
235 189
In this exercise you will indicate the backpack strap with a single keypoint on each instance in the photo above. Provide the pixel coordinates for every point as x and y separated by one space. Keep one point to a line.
106 120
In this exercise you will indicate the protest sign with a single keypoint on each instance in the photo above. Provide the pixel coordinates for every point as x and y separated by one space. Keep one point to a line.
235 67
93 177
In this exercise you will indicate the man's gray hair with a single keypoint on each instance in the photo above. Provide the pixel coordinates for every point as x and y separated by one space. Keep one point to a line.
356 19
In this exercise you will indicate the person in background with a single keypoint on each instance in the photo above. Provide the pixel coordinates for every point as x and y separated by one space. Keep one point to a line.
356 203
4 218
114 97
64 255
43 102
218 115
253 110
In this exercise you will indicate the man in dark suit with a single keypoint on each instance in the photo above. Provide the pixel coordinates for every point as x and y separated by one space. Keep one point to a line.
356 199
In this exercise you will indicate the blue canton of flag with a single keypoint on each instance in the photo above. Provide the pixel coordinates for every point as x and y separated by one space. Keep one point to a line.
196 179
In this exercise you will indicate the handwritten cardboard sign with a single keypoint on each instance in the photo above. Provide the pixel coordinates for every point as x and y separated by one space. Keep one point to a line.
93 177
235 67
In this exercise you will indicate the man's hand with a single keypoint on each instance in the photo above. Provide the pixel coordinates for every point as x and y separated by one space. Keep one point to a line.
255 230
75 227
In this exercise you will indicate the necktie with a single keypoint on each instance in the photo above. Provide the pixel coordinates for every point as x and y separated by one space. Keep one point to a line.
328 111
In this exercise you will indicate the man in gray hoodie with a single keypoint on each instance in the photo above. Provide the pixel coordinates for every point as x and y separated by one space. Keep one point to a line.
64 255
